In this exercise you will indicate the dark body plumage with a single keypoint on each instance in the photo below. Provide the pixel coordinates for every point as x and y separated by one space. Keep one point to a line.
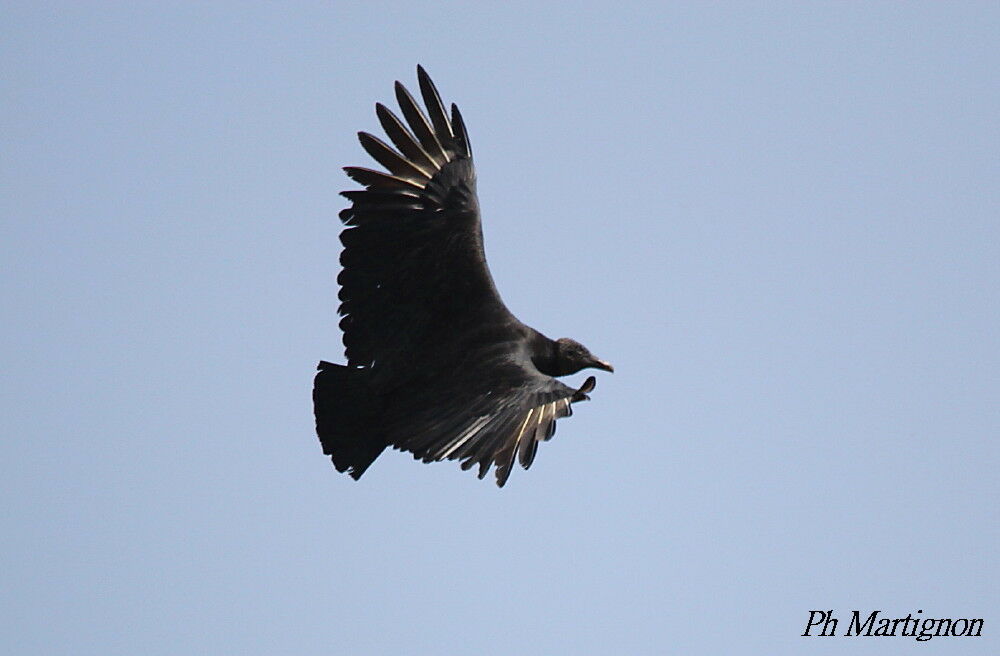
437 364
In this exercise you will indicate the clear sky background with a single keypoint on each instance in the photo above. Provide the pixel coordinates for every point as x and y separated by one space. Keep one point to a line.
778 221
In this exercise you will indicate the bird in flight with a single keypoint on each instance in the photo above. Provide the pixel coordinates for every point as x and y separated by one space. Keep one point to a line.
436 363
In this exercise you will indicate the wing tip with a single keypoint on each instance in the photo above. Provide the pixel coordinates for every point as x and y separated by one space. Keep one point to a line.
585 389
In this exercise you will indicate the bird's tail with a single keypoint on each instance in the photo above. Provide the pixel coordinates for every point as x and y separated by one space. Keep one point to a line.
347 418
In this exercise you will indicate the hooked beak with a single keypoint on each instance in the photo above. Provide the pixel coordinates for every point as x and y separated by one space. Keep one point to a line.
601 364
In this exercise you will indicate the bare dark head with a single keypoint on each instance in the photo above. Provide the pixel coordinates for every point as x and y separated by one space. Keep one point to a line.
572 356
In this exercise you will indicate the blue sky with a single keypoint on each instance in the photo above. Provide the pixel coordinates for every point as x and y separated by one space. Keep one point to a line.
778 221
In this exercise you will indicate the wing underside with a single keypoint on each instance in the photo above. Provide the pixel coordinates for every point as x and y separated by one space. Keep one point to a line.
414 269
487 428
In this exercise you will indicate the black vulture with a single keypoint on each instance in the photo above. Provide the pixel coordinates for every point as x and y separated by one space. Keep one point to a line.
436 363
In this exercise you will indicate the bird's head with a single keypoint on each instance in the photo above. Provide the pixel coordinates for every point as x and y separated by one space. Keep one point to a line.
572 356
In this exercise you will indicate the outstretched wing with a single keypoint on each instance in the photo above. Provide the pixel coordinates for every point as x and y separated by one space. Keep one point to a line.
414 279
486 423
